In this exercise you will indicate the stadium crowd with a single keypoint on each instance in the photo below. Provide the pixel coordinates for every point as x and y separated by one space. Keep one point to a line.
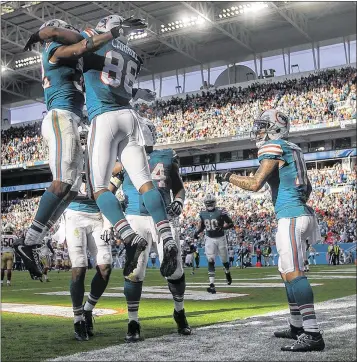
231 111
220 112
252 214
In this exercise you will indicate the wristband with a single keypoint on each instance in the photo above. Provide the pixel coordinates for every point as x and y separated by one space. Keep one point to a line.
227 176
115 181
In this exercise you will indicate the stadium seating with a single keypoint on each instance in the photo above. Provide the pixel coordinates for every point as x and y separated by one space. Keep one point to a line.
218 113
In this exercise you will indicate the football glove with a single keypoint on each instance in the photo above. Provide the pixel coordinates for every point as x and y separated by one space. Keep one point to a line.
223 177
33 39
175 208
145 94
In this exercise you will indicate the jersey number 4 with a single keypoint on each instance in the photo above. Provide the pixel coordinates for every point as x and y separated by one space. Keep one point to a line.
115 67
158 174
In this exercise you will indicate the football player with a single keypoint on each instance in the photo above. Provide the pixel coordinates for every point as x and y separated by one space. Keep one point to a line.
215 221
7 253
165 173
62 81
282 165
45 253
109 75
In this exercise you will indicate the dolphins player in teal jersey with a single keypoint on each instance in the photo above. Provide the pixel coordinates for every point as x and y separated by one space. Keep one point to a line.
63 89
165 173
282 166
109 76
215 221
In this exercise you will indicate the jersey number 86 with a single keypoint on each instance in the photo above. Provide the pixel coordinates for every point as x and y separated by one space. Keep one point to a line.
114 68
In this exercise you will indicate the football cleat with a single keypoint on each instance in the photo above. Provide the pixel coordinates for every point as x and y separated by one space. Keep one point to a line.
169 261
306 343
30 256
211 289
133 334
229 278
182 324
134 246
88 317
80 331
291 333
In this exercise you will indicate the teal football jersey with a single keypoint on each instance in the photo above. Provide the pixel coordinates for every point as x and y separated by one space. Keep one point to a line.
62 81
109 76
213 221
160 163
289 185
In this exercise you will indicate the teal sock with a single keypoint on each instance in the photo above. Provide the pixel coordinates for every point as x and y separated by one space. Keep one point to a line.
48 205
304 298
155 204
132 292
295 316
110 207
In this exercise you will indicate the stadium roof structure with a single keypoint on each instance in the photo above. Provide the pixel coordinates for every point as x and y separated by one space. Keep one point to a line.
180 35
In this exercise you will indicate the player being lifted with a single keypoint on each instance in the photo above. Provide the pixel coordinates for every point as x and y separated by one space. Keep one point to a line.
7 253
282 165
109 75
165 173
215 221
62 80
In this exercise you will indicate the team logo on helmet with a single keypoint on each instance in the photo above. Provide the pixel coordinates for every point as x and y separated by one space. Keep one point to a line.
271 125
108 23
57 23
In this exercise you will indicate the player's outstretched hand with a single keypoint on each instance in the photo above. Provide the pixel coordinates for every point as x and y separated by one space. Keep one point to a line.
134 23
33 39
145 94
223 177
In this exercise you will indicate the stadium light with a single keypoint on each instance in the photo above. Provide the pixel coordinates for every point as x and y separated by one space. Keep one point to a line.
8 8
21 63
242 9
135 36
3 69
181 24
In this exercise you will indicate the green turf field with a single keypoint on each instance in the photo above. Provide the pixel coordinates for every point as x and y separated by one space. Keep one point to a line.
33 337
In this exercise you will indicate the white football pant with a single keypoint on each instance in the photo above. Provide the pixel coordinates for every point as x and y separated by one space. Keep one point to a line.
85 231
291 241
60 132
116 134
216 246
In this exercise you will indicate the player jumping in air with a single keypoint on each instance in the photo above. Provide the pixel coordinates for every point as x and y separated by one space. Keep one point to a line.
109 75
62 80
215 221
282 165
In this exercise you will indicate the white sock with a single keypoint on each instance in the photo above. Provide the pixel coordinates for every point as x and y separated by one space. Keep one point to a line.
133 316
178 305
78 318
211 280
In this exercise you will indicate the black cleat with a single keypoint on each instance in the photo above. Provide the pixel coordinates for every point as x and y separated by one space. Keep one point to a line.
211 289
88 317
30 256
306 343
133 334
169 261
181 321
291 333
229 278
134 246
80 331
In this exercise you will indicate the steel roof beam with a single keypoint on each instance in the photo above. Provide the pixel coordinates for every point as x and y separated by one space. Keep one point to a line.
296 19
178 43
207 11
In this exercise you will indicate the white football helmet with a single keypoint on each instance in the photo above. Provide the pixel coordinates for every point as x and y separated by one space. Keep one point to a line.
108 23
59 24
271 125
210 202
9 229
